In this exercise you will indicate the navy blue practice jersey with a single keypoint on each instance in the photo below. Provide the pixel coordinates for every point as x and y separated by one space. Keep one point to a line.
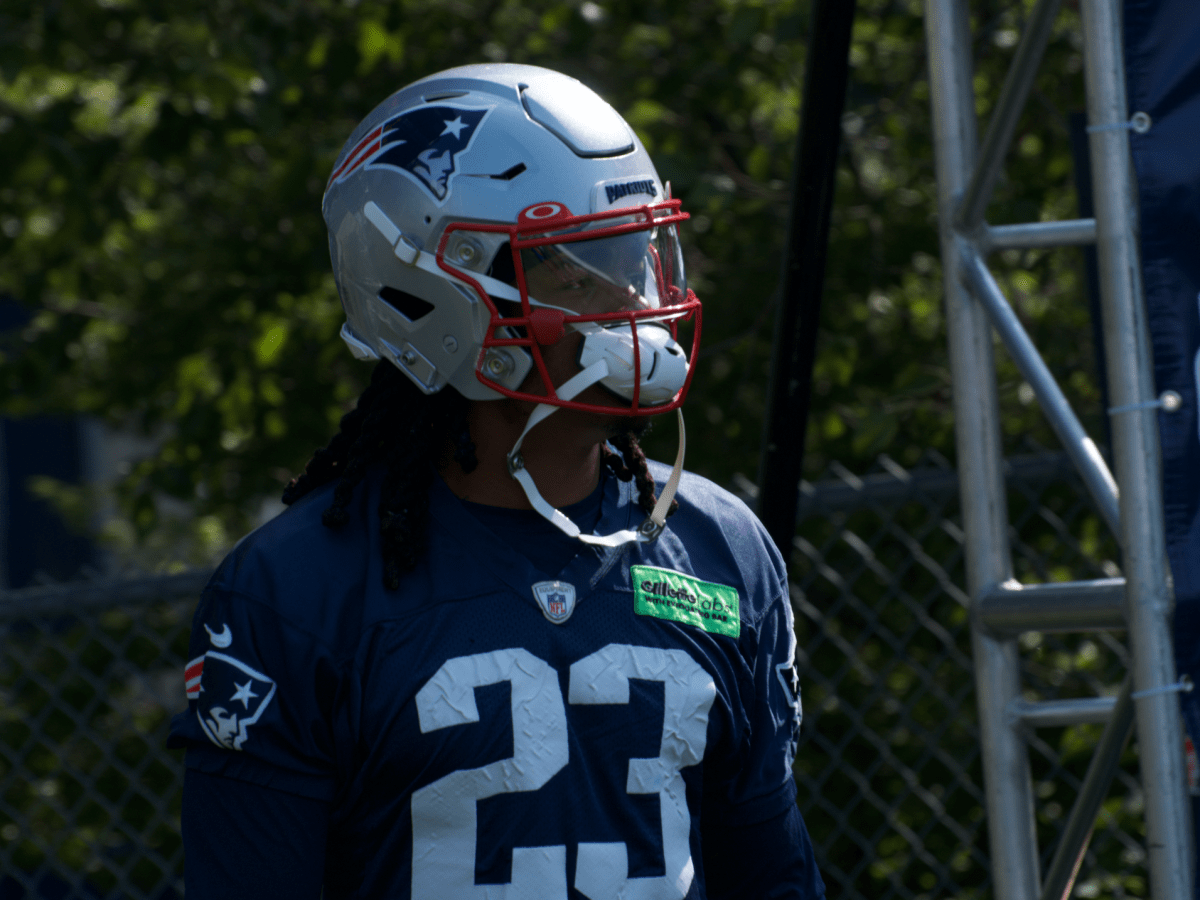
491 730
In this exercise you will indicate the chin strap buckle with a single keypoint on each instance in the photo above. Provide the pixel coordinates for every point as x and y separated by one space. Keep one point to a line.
649 530
516 463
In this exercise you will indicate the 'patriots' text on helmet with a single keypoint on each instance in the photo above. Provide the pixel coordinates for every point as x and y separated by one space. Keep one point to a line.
485 212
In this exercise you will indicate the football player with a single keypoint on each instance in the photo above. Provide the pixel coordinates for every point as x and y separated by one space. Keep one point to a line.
489 650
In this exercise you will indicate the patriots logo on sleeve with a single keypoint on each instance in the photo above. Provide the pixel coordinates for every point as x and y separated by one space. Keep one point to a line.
230 697
424 143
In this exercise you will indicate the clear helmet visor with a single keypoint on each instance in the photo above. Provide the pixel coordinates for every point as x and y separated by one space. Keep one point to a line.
634 271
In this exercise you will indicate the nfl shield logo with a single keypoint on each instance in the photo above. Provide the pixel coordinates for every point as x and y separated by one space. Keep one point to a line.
556 599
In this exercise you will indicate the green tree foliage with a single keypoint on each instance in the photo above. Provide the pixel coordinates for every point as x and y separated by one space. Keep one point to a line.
160 213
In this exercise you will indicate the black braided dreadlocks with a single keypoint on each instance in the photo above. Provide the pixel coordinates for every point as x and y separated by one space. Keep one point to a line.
629 464
409 431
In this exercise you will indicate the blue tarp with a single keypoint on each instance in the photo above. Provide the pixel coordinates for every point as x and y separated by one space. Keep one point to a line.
1162 61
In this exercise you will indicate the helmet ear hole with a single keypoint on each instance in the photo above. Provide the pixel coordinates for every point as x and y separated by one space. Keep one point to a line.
502 268
408 305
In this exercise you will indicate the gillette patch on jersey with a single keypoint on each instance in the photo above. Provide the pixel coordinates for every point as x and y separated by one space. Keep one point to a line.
670 595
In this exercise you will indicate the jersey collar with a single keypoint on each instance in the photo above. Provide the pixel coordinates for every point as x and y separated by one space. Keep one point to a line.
464 552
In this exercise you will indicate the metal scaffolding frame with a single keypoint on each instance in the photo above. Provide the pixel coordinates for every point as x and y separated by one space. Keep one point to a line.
1141 600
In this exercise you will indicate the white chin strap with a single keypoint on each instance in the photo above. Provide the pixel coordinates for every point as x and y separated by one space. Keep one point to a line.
650 528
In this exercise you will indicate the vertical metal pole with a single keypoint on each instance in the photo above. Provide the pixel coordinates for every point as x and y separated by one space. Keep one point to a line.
795 344
1136 457
1008 784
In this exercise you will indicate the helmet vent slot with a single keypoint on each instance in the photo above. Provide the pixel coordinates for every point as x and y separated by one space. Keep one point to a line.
442 95
408 305
510 174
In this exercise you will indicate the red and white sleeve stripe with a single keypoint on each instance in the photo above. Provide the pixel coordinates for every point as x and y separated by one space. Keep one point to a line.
191 677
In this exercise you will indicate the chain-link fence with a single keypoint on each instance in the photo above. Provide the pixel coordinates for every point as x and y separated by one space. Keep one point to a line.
89 795
888 774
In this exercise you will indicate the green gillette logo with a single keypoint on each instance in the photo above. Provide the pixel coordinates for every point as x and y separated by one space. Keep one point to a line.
670 595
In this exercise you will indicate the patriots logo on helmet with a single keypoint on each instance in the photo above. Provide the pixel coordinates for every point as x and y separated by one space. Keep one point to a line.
230 695
423 142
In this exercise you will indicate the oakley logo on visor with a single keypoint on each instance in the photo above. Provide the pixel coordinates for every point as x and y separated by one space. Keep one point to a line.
544 212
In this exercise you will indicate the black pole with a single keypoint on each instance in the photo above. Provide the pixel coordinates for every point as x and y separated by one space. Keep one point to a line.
826 75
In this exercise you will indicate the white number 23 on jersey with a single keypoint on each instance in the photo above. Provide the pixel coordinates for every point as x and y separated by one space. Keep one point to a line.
444 812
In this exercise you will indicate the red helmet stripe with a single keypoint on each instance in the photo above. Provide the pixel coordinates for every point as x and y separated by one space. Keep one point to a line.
358 155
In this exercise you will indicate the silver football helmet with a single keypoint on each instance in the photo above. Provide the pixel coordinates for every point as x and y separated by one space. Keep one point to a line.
484 212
